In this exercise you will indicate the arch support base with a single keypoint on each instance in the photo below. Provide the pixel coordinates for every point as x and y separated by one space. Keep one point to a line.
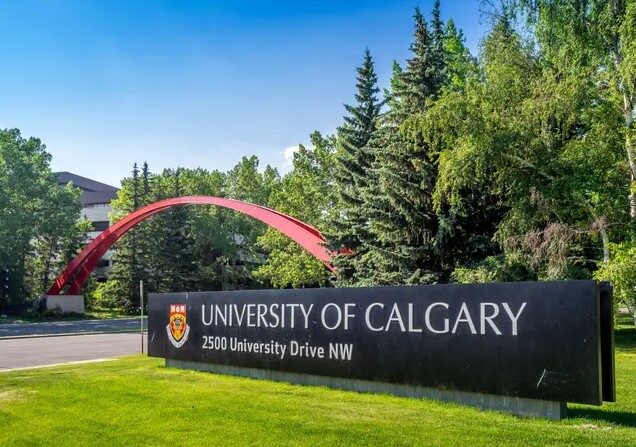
65 303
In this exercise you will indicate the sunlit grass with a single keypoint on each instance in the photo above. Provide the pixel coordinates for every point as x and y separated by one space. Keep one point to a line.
96 313
136 401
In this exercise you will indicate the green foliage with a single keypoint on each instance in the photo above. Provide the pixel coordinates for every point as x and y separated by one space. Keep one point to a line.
188 248
461 66
110 294
39 226
500 268
305 193
519 154
408 238
544 145
598 40
516 164
422 78
621 271
352 173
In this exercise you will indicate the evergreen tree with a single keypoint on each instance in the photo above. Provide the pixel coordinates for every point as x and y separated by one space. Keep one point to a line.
179 264
145 234
133 233
126 270
420 80
398 206
145 184
394 99
351 175
439 71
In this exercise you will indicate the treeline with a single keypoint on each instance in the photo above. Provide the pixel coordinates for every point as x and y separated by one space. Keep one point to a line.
186 248
40 225
516 164
193 248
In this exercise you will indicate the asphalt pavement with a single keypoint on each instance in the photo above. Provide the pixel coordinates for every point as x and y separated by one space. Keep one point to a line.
70 327
18 353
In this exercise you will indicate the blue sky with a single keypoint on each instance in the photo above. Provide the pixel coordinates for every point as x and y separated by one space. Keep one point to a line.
192 83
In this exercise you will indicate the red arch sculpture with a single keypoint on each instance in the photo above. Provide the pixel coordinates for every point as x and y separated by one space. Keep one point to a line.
76 272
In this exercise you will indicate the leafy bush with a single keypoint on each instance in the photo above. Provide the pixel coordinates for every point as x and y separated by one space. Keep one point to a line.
620 270
502 268
109 294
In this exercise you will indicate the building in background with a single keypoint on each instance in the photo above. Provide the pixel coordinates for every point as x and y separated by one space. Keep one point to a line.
95 199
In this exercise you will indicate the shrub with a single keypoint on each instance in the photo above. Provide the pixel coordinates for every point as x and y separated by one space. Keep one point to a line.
620 270
501 268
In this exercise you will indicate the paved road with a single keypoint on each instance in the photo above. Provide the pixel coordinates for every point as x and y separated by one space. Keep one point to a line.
40 351
69 327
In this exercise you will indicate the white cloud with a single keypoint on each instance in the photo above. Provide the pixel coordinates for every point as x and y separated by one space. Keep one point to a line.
288 154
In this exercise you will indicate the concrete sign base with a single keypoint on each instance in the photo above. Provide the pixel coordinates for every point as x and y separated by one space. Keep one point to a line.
514 405
66 303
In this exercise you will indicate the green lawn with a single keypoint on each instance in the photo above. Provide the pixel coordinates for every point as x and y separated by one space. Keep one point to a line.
96 313
135 401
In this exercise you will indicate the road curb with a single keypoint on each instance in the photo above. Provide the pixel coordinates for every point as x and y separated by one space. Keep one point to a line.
74 362
70 334
70 320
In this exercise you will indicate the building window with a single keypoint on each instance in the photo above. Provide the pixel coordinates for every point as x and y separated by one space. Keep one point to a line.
100 225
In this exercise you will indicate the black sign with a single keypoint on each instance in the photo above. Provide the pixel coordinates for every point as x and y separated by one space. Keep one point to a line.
540 340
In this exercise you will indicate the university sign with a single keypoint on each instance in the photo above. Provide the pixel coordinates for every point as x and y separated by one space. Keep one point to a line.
550 341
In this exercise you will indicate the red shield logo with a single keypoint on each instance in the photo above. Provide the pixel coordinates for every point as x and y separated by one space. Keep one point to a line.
177 328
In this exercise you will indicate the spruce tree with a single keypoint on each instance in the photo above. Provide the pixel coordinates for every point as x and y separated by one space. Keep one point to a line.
353 162
178 246
145 234
145 184
394 99
419 80
439 72
398 205
126 272
134 234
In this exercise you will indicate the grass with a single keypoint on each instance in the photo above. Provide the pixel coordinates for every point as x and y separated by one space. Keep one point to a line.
96 313
107 313
136 401
625 334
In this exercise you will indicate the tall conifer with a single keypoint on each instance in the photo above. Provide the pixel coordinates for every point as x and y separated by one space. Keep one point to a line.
439 72
398 206
178 246
353 162
126 266
419 81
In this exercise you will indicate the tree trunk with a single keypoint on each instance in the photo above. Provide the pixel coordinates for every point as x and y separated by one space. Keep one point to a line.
630 147
606 249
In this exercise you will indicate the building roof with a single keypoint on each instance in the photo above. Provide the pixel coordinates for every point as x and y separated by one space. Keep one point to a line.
93 192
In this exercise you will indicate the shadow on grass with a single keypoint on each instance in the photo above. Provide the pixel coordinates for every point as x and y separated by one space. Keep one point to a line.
625 333
623 418
625 341
625 338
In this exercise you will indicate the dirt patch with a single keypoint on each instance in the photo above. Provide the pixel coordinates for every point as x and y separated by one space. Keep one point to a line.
593 427
7 396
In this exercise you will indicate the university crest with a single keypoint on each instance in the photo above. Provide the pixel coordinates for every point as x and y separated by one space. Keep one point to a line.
177 328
